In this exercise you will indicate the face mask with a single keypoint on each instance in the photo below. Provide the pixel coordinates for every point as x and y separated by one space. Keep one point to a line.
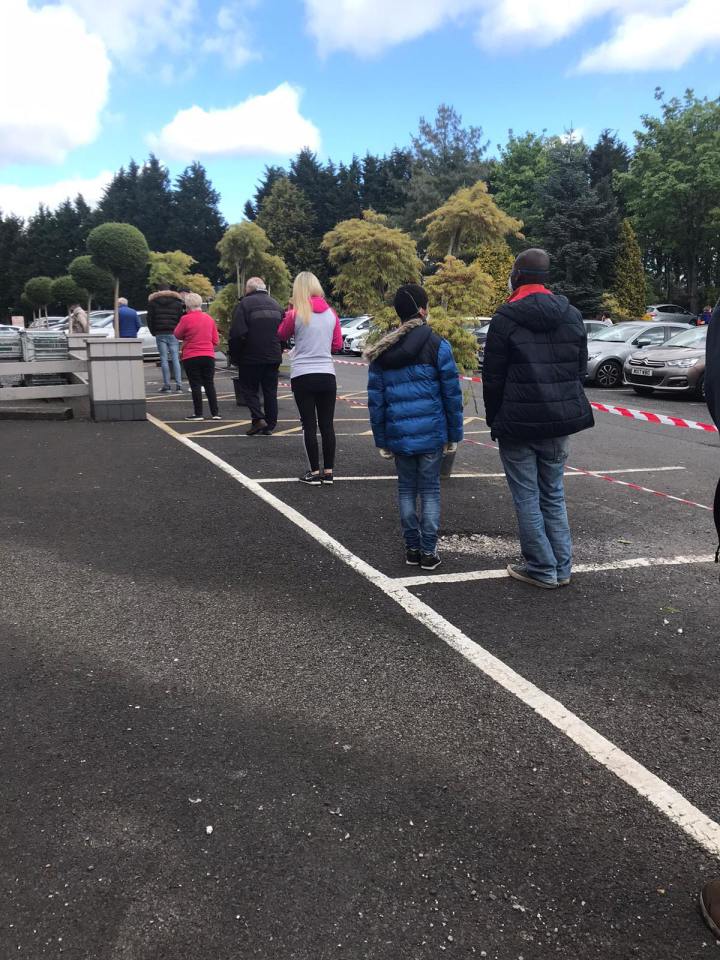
510 286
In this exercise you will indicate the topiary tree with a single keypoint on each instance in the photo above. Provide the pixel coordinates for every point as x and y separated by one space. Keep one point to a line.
97 282
629 286
371 260
469 217
38 291
241 250
122 250
66 291
460 289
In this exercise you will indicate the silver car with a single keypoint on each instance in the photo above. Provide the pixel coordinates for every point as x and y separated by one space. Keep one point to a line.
609 349
670 312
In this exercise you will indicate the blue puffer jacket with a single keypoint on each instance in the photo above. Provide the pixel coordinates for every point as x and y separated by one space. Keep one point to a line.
414 392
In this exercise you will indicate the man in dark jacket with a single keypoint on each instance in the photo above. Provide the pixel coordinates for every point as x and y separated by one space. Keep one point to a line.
416 414
165 307
710 893
254 346
533 371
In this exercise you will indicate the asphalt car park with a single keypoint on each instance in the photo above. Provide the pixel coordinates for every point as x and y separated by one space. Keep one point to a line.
391 765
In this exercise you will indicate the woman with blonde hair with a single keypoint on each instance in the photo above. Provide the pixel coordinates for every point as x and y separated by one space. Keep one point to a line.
316 329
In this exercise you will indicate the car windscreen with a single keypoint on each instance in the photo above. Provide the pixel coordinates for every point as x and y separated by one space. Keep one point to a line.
694 337
619 334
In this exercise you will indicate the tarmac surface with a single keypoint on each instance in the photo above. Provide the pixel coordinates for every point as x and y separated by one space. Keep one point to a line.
185 649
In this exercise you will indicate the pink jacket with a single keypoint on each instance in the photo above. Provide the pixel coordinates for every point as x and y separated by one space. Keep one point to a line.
319 305
199 334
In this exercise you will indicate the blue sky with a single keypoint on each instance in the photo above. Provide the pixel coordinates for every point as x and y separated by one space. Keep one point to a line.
346 76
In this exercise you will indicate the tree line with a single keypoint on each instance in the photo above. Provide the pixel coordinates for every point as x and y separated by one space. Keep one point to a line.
624 225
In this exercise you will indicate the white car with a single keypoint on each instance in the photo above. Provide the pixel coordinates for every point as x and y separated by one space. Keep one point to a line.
355 332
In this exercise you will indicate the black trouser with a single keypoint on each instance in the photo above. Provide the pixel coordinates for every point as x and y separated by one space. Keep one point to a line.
200 372
315 398
256 376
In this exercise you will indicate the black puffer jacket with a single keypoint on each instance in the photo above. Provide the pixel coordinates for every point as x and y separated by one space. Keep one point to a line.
534 367
712 366
253 333
165 307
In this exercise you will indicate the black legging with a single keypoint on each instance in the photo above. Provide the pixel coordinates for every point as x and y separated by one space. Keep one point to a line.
315 398
200 372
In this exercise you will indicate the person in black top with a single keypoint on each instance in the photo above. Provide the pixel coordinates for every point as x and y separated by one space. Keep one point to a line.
254 346
533 371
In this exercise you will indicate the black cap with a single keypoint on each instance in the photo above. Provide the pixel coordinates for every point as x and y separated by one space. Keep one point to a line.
409 300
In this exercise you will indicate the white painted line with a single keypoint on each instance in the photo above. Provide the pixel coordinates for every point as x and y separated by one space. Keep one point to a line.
454 476
628 564
662 796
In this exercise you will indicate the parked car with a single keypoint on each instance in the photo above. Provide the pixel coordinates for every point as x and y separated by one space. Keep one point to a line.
677 365
609 349
480 333
352 330
670 312
594 326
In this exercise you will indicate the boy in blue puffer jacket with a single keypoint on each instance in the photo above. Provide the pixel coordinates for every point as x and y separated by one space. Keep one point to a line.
416 413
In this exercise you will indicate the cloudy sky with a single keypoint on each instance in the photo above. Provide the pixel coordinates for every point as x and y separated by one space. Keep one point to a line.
87 84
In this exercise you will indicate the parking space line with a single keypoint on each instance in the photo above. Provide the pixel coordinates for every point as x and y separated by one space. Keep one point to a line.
223 426
629 564
672 804
286 433
456 476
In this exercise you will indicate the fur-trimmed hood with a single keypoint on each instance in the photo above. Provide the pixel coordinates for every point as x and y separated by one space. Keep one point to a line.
165 293
390 339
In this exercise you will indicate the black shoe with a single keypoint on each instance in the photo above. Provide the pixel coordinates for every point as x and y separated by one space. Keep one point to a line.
412 558
257 427
195 416
327 477
429 561
267 432
310 477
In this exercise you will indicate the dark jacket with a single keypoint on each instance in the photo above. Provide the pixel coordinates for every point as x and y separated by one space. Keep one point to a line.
165 307
712 366
253 336
534 367
414 394
128 321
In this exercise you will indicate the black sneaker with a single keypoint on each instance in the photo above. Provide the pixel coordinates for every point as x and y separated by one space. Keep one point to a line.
267 432
429 561
518 572
164 390
327 477
195 417
412 558
310 477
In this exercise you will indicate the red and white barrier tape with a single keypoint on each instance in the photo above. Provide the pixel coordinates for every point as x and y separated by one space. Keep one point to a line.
659 418
605 476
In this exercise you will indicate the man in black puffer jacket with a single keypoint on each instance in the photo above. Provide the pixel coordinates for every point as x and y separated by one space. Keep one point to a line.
254 345
533 371
165 307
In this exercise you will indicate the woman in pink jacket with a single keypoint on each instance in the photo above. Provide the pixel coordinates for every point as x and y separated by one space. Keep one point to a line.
199 336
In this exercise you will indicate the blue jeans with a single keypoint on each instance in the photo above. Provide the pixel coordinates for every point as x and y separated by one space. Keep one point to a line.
419 476
534 471
169 350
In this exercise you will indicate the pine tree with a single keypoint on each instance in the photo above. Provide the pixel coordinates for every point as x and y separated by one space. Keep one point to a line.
289 221
349 190
154 214
198 224
580 228
271 174
629 287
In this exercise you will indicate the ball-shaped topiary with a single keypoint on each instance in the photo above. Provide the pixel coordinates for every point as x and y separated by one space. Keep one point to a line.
119 248
38 290
92 278
66 291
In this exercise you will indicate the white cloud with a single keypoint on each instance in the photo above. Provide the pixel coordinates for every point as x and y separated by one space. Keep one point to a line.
135 28
645 33
233 40
647 40
24 201
55 83
267 124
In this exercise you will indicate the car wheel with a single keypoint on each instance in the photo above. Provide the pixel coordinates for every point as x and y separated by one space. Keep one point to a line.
700 388
644 391
609 374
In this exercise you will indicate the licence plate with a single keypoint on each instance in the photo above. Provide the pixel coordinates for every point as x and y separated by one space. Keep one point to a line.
642 372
